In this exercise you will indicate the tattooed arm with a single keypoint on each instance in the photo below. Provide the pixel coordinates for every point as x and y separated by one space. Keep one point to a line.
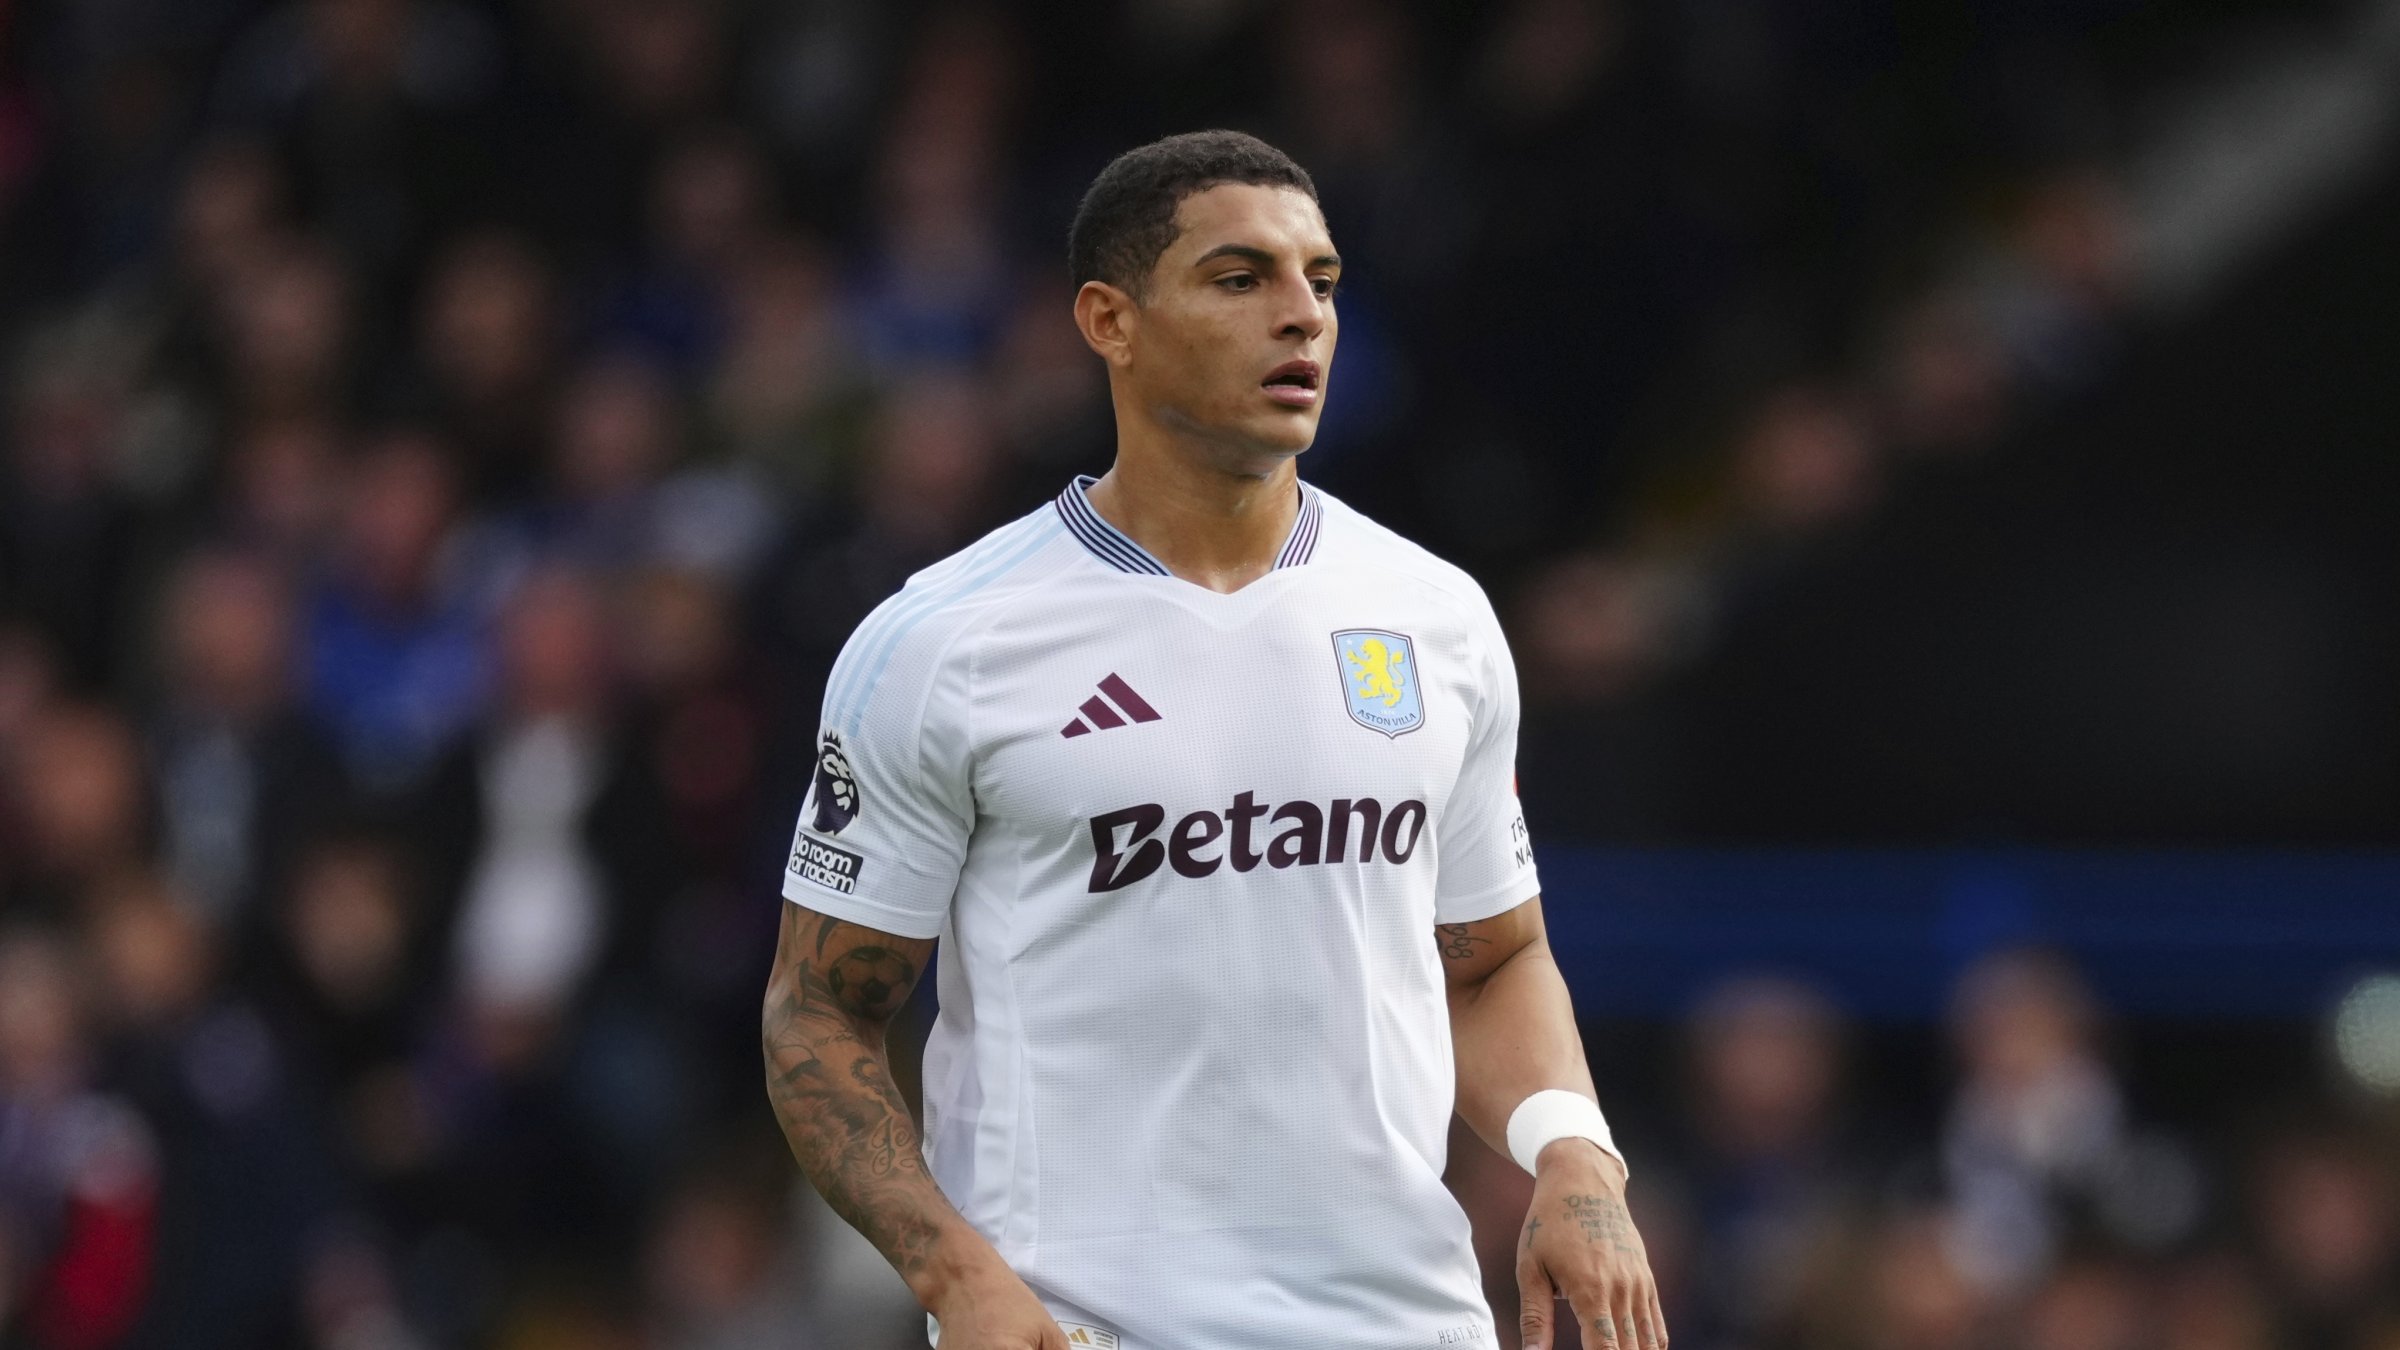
833 992
1513 1029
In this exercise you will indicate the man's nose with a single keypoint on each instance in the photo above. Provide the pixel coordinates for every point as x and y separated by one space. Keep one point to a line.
1301 312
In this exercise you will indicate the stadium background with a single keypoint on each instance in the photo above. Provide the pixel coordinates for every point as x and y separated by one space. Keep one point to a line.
1936 463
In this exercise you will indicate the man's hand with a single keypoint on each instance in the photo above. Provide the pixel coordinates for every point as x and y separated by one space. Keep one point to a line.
989 1308
1579 1244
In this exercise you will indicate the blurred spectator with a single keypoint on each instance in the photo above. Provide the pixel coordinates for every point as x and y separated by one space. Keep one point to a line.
68 541
243 775
1805 462
1050 397
351 970
233 201
623 496
243 1180
1773 1175
534 902
351 1298
2215 1302
1906 1292
288 339
616 437
933 288
394 633
77 784
2036 1150
660 63
2329 1227
2052 297
789 396
376 102
1351 98
721 1269
282 489
79 1170
551 837
1946 384
486 337
709 208
28 685
2089 1305
701 715
1593 626
930 466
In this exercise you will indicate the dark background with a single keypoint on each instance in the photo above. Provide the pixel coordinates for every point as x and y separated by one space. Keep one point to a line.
1934 461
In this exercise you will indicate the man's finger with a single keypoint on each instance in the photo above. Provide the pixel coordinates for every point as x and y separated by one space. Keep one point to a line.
1604 1330
1626 1303
1536 1295
1658 1319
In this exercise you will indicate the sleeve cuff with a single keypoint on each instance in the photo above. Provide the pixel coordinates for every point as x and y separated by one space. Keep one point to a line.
907 923
1485 903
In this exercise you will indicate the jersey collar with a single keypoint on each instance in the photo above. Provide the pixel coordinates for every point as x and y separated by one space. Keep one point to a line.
1110 544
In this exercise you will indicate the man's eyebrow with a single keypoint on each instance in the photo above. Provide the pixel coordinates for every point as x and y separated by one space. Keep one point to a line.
1242 251
1250 253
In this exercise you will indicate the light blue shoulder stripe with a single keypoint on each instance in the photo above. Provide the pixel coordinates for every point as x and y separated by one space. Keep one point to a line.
933 585
860 689
930 582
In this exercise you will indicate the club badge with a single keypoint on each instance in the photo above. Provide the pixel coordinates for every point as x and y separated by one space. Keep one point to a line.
1379 680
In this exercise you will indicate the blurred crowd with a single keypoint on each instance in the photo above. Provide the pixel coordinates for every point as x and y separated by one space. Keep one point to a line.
443 445
2030 1195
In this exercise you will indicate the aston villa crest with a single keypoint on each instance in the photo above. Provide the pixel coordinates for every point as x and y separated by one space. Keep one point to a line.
1379 680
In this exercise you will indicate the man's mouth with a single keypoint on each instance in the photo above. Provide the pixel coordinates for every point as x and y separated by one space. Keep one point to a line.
1294 384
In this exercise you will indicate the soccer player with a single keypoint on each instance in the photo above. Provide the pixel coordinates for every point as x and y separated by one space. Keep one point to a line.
1206 784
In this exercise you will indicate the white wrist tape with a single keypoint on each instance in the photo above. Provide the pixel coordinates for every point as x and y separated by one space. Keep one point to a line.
1555 1113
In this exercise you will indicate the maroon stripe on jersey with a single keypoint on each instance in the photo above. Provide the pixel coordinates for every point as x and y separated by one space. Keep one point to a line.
1075 728
1130 701
1102 715
1303 540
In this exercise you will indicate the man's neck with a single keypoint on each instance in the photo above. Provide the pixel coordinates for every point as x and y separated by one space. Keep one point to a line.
1214 529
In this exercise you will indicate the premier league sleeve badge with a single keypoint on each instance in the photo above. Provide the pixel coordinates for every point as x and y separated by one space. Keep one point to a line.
833 790
1379 680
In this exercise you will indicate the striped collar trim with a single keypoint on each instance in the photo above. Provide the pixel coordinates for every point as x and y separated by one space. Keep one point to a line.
1303 543
1110 544
1106 541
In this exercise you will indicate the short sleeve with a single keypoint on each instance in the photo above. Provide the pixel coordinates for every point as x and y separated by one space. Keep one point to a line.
883 830
1486 855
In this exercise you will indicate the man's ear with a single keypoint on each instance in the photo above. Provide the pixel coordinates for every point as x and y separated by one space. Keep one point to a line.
1107 317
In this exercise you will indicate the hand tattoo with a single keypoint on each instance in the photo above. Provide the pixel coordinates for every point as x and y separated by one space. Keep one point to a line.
1603 1219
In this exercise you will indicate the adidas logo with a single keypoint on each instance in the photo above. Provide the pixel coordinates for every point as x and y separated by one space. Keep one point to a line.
1093 1337
1104 713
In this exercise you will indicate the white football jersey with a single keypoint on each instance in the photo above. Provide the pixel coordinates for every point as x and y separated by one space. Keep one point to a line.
1185 852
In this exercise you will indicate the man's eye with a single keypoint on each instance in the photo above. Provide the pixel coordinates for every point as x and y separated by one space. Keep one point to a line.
1238 281
1325 287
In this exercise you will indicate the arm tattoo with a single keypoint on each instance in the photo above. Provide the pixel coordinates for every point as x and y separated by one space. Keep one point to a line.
1603 1219
1458 940
833 1092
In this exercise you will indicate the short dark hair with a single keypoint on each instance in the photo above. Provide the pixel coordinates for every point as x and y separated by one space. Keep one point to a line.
1127 218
